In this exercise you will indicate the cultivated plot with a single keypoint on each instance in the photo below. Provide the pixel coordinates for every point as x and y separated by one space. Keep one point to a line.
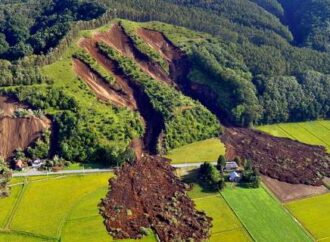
314 132
206 150
226 226
263 216
314 214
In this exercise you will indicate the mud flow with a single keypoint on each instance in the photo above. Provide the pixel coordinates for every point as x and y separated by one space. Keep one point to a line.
280 158
15 132
137 200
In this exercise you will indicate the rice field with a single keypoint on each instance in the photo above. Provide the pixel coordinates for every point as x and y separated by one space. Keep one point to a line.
206 150
314 132
314 214
226 226
263 216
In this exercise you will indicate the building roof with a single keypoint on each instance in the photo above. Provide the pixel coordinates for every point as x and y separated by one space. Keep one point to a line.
231 165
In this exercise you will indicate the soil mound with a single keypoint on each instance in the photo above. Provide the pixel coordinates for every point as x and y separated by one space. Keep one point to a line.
280 158
147 194
18 132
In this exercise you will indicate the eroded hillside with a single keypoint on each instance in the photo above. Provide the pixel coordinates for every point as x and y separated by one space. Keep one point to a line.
18 132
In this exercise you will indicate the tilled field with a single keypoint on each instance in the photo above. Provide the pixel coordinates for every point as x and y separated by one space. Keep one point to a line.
280 158
147 194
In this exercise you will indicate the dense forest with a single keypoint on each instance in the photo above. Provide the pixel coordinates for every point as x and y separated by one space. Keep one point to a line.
266 61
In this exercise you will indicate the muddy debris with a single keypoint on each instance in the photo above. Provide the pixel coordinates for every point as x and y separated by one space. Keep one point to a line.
279 158
147 195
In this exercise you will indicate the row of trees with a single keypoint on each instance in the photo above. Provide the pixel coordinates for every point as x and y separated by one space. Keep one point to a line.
5 176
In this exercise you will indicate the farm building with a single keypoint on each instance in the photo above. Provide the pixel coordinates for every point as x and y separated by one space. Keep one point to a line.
231 166
234 177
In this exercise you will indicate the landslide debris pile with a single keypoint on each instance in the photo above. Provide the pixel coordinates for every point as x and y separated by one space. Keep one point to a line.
147 194
17 132
280 158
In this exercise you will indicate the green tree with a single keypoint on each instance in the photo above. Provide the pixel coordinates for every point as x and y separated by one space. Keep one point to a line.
221 163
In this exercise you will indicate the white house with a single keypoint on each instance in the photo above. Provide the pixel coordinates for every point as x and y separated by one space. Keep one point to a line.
234 177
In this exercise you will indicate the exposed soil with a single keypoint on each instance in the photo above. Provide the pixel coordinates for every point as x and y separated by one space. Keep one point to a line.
18 132
153 120
286 192
280 158
118 39
121 85
147 194
179 70
101 89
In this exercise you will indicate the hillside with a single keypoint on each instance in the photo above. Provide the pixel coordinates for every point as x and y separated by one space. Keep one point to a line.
121 84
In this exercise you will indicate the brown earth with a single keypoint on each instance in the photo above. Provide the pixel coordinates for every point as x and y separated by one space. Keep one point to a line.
147 194
153 120
279 158
101 89
286 192
121 86
119 40
18 132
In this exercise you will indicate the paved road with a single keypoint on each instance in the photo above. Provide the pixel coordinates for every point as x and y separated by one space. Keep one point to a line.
87 171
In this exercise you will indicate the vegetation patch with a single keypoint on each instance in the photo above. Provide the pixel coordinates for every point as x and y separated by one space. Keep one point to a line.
201 151
263 216
226 226
314 214
186 120
314 132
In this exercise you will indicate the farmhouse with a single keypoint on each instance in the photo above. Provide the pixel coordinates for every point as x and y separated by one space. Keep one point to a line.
234 177
231 166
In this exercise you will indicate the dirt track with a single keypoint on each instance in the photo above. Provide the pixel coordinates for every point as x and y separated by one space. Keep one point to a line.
18 132
280 158
148 194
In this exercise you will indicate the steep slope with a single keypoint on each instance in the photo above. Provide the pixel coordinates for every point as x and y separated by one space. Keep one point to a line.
18 133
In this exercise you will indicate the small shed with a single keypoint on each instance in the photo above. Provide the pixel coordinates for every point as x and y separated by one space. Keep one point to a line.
231 166
234 177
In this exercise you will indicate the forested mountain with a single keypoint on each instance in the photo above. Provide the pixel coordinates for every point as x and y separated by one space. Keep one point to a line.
271 56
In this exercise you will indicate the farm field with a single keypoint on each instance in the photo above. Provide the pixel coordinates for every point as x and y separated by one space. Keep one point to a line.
263 216
314 132
226 226
39 211
206 150
314 214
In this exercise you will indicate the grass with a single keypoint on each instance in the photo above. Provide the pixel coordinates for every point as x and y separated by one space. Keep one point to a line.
314 132
53 208
207 150
7 204
314 214
263 216
226 226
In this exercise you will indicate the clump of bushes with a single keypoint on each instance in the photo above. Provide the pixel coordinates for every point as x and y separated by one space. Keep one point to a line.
210 178
5 176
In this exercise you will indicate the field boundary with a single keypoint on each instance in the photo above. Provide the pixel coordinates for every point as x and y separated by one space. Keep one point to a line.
320 139
288 212
7 224
28 234
65 218
243 224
